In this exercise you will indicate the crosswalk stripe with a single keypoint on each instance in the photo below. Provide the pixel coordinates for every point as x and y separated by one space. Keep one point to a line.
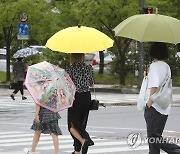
116 149
17 138
24 139
43 138
49 141
11 132
29 135
99 144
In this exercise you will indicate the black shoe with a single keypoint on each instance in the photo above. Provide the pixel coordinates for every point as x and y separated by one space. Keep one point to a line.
12 96
87 143
91 142
74 152
23 98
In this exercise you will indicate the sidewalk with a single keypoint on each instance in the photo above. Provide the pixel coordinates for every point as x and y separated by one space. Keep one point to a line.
110 89
108 95
129 90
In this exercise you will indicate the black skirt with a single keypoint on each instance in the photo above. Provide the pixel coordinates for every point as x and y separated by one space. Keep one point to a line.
48 122
79 112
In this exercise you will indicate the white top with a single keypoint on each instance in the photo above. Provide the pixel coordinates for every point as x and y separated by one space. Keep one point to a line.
157 74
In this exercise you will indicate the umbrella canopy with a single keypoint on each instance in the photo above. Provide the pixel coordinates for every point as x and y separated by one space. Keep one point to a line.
50 86
150 28
25 52
79 39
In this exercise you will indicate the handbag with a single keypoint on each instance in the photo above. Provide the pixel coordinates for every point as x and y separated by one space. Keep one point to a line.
163 95
142 94
13 85
94 104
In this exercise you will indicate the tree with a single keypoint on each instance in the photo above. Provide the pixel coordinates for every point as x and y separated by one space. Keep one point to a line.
105 15
169 8
39 13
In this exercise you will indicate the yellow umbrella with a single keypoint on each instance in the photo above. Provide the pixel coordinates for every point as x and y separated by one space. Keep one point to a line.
79 39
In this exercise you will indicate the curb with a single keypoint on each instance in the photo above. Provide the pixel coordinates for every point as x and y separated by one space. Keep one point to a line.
116 90
108 90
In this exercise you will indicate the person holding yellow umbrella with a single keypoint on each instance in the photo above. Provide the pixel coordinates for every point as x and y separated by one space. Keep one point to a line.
77 41
82 76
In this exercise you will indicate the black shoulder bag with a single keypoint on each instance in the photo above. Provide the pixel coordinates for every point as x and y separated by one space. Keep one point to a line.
94 105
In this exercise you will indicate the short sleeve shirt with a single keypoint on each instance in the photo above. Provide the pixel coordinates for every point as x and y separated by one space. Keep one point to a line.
82 75
157 74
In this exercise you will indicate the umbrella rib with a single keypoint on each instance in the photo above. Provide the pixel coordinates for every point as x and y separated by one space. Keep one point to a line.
145 29
170 30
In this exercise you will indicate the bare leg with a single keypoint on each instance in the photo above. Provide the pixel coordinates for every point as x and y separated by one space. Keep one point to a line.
56 143
36 137
76 134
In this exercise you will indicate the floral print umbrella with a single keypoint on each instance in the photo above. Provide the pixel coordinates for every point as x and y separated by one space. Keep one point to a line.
50 86
25 52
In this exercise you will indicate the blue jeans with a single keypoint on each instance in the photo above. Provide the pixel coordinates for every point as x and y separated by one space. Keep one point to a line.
155 123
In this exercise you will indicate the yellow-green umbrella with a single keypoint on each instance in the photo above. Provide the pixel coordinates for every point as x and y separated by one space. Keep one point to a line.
150 28
79 39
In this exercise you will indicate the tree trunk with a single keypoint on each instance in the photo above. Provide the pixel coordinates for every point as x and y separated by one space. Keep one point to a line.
122 68
8 39
121 60
8 75
101 64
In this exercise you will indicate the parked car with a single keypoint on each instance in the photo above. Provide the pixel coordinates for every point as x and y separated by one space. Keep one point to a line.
89 58
40 48
3 61
94 60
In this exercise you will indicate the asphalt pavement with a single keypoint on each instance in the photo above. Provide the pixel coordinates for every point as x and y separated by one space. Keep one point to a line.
108 95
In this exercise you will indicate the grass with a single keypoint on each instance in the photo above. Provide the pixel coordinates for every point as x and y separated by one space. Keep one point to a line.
114 79
107 79
176 80
2 76
130 80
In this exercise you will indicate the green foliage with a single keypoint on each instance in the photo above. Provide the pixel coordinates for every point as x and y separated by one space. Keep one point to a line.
40 19
176 80
101 14
165 7
93 12
66 18
56 58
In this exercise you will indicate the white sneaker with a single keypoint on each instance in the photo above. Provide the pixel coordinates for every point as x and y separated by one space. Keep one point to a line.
27 151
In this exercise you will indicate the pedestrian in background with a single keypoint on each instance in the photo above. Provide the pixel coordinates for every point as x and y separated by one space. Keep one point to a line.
82 76
155 116
45 122
19 72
